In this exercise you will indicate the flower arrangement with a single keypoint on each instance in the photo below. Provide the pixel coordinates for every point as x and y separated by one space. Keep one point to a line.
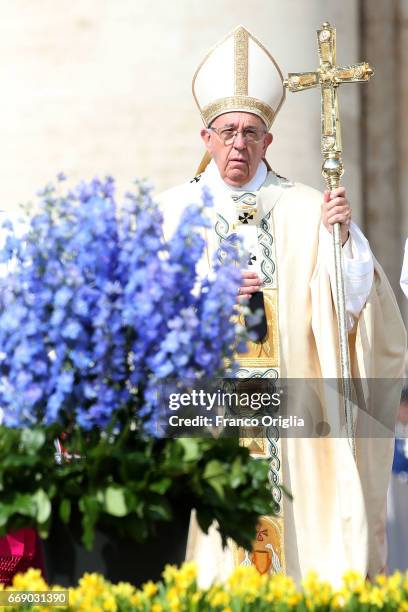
97 304
245 590
96 310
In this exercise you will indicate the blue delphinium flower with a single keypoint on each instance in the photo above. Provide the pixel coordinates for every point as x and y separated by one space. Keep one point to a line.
97 309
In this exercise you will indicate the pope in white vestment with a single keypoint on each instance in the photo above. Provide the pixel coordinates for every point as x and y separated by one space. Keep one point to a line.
336 520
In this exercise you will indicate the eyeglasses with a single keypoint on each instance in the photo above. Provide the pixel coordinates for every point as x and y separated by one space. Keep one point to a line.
250 135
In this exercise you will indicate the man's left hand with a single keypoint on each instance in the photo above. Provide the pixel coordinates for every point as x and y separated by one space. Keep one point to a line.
336 209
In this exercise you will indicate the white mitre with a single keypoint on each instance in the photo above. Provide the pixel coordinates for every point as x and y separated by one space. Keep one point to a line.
239 74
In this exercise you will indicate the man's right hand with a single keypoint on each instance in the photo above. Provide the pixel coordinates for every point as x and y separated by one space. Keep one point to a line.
251 283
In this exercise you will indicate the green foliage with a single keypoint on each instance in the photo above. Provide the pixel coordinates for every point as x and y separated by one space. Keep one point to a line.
129 483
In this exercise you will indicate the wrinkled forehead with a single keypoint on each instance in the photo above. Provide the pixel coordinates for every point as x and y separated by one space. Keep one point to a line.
238 119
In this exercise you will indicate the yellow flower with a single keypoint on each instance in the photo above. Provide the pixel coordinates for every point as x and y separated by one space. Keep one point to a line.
31 580
109 603
123 589
173 597
393 587
318 593
381 580
169 573
74 597
311 582
324 595
156 607
294 599
393 595
221 598
86 605
92 584
280 588
353 581
395 580
189 570
376 597
136 599
150 589
186 575
246 582
346 594
364 596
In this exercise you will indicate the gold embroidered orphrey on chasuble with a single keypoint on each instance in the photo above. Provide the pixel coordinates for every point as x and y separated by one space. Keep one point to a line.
336 520
255 227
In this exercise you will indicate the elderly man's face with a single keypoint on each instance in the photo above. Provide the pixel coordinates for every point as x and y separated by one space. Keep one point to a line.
239 160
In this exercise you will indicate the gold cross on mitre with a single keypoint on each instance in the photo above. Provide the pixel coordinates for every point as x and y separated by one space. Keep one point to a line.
329 77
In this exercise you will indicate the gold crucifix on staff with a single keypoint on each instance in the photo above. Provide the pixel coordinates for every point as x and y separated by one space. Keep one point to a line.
329 76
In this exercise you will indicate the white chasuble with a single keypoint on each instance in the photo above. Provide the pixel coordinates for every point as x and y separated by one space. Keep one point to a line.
336 519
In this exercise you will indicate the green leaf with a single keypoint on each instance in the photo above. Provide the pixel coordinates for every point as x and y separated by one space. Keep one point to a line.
161 486
43 504
100 496
89 507
65 510
25 504
191 448
237 474
20 503
216 476
4 515
213 469
218 485
32 440
160 511
115 503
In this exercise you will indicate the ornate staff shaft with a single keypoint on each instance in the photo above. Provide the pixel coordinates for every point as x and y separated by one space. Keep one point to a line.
329 77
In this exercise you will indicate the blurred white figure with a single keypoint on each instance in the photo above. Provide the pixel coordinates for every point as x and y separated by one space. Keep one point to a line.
397 527
404 273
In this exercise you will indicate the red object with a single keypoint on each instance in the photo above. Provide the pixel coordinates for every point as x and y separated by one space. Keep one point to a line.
19 551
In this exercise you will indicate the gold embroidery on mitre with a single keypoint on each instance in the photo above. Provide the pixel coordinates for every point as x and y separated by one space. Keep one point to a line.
241 62
268 115
238 103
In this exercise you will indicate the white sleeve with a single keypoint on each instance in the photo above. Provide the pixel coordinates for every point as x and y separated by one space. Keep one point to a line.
404 272
358 269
